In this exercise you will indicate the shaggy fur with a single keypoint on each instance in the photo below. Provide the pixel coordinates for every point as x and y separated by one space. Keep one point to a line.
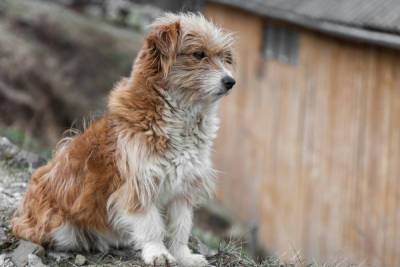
149 155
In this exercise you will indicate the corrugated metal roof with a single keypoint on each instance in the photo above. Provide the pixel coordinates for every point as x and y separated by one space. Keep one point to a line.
382 15
370 20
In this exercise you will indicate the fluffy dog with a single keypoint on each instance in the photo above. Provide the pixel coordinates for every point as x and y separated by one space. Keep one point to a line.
147 157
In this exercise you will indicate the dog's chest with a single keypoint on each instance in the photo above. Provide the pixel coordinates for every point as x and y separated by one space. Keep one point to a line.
187 163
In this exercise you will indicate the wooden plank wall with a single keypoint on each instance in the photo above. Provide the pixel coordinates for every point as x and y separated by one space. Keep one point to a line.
311 153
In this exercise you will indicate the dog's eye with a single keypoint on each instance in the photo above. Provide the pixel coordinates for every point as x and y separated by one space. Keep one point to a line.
199 55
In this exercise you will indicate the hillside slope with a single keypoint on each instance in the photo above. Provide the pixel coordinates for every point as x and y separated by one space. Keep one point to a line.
57 66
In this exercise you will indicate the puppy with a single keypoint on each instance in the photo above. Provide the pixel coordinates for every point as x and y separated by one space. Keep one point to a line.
147 157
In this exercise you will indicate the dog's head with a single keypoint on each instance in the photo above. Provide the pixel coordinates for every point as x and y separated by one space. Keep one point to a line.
192 57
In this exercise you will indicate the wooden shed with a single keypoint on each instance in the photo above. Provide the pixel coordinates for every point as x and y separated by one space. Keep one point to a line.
309 148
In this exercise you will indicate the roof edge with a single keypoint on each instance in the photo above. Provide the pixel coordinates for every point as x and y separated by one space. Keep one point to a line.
337 29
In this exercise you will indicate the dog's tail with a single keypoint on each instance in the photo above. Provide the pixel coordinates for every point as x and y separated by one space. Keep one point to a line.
34 219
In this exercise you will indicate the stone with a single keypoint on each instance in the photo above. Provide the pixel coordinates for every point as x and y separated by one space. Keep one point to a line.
17 157
3 238
80 260
35 261
59 256
7 149
5 261
25 159
20 255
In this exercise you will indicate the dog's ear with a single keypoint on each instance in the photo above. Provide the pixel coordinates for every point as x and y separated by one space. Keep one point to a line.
162 43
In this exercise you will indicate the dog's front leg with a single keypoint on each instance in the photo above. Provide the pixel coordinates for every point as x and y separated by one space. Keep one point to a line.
148 235
180 215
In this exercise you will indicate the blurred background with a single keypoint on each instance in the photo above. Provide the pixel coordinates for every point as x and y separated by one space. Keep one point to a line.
309 147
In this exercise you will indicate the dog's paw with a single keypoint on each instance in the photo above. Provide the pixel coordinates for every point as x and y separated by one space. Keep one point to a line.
186 258
159 259
157 256
193 260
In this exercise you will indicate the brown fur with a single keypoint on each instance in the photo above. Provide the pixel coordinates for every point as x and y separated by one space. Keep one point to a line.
86 172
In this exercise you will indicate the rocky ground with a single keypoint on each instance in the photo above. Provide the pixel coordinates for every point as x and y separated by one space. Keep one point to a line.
16 166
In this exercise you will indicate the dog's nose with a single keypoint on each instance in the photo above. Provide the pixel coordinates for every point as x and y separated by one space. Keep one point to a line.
228 82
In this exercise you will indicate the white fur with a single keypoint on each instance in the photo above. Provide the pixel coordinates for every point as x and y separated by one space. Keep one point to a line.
180 216
196 22
69 237
145 231
182 169
134 161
